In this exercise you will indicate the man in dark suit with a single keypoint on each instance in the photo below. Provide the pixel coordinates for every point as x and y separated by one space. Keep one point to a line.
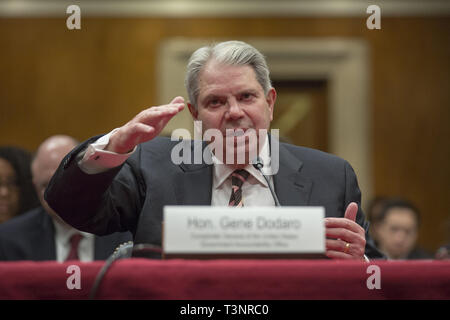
40 234
122 181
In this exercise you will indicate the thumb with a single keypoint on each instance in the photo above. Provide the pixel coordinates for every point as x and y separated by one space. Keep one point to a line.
351 211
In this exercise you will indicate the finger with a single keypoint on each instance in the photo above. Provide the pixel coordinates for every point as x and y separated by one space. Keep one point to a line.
343 223
351 228
177 102
155 114
344 234
333 254
336 245
357 245
341 249
165 108
178 99
351 211
340 240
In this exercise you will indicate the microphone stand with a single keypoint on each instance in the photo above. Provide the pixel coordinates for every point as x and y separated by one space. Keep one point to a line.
258 165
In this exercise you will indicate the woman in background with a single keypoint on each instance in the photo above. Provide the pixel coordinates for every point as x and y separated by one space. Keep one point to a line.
17 193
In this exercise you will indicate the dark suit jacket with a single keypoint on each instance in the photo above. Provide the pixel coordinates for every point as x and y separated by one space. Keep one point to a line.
419 253
132 197
31 237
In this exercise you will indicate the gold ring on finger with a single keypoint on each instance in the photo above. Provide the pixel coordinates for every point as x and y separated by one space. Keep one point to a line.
347 247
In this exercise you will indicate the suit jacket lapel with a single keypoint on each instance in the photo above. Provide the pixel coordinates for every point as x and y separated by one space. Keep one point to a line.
291 187
194 184
194 181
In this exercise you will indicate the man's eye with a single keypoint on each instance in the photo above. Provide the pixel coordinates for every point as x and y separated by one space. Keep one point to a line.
214 102
246 96
395 229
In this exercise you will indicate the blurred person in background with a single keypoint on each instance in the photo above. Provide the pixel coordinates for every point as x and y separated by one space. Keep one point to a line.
444 251
373 215
17 193
40 234
397 231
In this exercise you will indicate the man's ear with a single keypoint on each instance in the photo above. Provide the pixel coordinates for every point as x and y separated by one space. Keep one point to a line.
193 111
271 98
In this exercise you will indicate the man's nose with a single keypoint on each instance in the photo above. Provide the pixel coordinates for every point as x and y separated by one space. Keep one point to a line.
4 190
234 110
400 237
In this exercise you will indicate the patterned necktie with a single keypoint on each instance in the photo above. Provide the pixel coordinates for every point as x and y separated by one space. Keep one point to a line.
74 242
238 177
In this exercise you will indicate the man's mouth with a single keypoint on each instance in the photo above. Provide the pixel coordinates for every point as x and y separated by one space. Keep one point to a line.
3 205
235 132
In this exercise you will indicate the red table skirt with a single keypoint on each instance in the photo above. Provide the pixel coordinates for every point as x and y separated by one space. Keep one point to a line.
229 280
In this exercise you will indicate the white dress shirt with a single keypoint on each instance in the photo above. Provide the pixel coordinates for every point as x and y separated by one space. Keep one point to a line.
255 191
62 243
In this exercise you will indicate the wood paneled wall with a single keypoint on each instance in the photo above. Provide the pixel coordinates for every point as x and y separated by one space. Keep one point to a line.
89 81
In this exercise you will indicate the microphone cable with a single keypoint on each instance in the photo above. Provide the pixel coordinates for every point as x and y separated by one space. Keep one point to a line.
125 250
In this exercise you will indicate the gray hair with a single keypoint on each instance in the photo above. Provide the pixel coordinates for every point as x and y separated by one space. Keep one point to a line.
230 53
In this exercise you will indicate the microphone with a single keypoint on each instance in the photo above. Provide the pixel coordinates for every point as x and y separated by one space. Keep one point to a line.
258 166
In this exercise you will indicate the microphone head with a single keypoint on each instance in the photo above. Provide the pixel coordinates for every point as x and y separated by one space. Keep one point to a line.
258 163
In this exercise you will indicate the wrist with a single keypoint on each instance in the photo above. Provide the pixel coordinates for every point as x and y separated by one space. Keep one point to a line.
115 147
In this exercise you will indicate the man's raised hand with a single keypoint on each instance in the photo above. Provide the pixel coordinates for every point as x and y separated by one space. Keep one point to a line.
144 126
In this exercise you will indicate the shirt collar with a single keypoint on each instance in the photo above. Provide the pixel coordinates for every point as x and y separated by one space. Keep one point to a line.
222 172
64 233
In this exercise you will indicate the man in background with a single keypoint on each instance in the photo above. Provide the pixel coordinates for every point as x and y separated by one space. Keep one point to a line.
397 230
444 251
40 234
373 215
